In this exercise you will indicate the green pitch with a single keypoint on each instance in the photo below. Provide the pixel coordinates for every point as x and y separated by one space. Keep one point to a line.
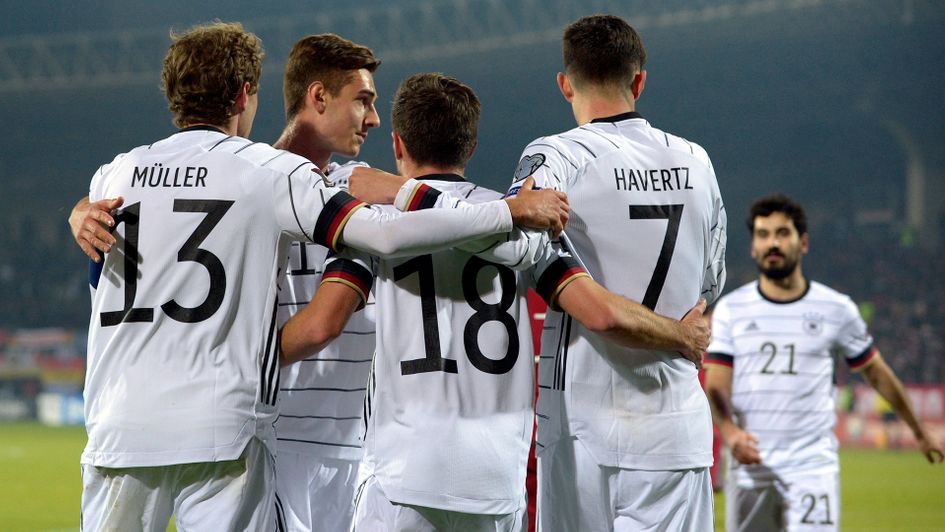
883 490
40 484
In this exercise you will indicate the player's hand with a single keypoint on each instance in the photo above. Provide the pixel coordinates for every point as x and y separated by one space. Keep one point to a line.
539 209
697 333
744 446
931 450
374 186
91 225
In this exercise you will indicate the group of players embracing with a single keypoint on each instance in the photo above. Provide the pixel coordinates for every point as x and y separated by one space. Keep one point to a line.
289 343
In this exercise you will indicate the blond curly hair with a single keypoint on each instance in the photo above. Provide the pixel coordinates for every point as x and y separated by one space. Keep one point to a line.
205 69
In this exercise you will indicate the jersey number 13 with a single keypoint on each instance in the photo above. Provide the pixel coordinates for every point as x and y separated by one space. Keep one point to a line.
189 252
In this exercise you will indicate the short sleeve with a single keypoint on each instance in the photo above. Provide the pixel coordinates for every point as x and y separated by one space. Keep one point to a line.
722 349
555 268
853 340
97 186
308 208
547 163
713 280
352 268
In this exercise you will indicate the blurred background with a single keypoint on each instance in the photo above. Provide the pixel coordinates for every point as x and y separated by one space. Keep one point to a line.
838 103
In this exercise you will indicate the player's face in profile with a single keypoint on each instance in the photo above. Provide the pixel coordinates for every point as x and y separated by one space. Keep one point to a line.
351 113
776 245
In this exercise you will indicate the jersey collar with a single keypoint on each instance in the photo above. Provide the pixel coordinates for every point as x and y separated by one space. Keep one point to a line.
798 298
201 127
618 118
441 177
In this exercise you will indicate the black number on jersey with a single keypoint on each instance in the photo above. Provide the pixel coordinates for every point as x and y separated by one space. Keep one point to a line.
303 268
189 252
673 215
433 361
485 312
772 351
811 501
129 216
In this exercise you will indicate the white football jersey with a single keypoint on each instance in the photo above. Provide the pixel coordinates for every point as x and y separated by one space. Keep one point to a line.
449 407
648 223
782 357
182 354
321 397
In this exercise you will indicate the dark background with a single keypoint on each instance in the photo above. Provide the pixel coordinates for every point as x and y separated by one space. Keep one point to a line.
833 102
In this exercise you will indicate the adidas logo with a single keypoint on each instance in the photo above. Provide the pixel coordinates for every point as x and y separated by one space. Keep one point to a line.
752 327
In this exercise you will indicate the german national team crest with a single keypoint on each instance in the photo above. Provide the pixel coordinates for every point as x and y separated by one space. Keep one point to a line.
528 166
813 323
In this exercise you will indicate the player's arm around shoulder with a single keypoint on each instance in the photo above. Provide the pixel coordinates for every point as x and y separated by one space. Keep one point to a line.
630 324
344 289
882 378
373 185
91 223
535 209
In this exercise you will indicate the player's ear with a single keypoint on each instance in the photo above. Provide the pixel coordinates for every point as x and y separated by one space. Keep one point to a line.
805 243
564 85
397 145
473 150
317 96
636 86
239 105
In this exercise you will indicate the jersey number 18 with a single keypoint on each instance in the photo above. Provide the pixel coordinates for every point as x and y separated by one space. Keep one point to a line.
485 312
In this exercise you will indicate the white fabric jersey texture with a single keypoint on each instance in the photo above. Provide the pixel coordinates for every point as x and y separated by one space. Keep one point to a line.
182 361
321 397
450 398
193 380
782 356
648 223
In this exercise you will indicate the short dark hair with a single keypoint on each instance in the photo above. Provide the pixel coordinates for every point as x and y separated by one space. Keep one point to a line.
327 58
437 117
778 202
205 69
602 50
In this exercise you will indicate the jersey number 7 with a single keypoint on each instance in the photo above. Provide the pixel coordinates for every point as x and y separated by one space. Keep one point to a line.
673 215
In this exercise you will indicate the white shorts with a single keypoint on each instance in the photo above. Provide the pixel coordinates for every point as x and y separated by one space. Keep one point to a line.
576 493
231 495
374 512
802 503
315 493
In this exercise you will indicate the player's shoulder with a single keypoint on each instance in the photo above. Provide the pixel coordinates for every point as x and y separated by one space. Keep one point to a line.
680 144
563 153
131 157
264 156
589 141
233 149
340 173
463 189
546 150
821 294
746 293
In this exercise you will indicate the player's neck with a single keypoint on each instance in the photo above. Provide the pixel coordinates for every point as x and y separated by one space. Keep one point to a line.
787 289
411 170
301 139
587 107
